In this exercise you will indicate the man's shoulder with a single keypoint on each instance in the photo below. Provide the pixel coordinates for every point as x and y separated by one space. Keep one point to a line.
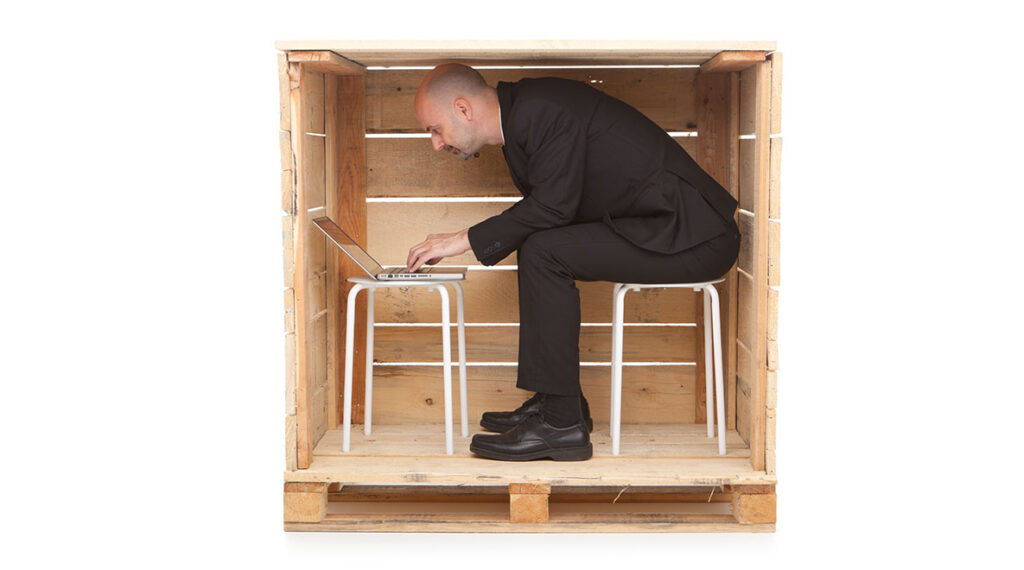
551 89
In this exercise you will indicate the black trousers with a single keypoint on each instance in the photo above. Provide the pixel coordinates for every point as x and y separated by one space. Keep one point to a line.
550 261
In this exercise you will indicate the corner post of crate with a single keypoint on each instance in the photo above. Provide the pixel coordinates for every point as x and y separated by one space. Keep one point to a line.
305 502
528 502
753 504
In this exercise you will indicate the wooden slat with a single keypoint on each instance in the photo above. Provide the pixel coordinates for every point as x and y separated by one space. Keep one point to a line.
774 236
313 169
761 266
608 52
327 61
746 257
748 110
290 444
748 175
501 344
413 394
731 291
776 112
774 195
288 249
347 173
284 92
747 318
312 101
492 296
665 95
732 61
303 435
289 374
425 439
410 167
395 227
603 470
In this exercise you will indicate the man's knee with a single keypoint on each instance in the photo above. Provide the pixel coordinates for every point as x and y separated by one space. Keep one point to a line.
535 247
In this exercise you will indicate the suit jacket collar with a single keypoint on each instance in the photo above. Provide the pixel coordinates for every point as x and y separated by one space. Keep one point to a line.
504 107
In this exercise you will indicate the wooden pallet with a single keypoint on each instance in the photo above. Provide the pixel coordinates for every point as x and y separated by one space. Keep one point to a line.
527 507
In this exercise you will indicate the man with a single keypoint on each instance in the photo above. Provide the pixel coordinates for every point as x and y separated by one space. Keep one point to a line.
608 196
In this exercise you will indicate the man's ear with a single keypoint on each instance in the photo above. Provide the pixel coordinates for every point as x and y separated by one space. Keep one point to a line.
463 107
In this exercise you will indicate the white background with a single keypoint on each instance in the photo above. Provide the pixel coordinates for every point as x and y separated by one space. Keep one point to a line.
142 361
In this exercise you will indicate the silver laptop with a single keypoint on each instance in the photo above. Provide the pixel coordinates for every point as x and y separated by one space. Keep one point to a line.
374 269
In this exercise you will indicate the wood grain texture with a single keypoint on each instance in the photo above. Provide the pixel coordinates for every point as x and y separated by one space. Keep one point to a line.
411 168
525 52
305 502
528 503
732 61
414 394
501 344
492 296
761 266
665 95
284 93
327 61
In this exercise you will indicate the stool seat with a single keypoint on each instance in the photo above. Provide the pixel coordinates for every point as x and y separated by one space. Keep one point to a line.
370 285
712 347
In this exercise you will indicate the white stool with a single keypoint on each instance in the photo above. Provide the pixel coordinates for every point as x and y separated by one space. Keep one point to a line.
712 343
371 285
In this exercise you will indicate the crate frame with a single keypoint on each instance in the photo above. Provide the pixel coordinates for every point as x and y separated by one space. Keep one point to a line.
738 89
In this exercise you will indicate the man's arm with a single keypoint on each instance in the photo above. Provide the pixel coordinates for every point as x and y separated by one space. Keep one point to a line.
435 248
556 143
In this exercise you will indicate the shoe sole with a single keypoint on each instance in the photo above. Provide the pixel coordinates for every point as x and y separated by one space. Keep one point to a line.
565 454
501 428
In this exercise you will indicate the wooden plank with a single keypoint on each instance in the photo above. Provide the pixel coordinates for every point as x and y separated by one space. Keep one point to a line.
492 296
299 280
501 344
748 109
424 439
394 227
287 173
748 175
746 321
776 95
288 249
312 101
745 261
528 503
761 275
774 194
732 61
772 329
774 237
650 394
290 444
401 524
347 172
305 502
665 95
284 92
754 509
731 292
313 171
599 470
409 167
289 374
713 118
494 52
327 61
333 281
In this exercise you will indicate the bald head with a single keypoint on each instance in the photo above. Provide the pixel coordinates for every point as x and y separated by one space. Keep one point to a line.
452 80
455 104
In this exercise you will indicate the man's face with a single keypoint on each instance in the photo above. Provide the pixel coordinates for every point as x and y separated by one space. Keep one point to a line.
449 130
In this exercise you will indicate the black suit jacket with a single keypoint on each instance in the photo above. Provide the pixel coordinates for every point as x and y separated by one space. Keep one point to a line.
578 155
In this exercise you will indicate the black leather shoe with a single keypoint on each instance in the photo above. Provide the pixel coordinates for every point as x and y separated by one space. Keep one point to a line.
504 421
533 438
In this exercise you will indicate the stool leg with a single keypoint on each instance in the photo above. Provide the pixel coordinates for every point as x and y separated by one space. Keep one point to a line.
368 399
463 392
708 370
716 323
446 346
611 399
617 326
350 323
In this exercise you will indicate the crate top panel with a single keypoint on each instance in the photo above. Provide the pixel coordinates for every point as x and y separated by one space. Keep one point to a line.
524 52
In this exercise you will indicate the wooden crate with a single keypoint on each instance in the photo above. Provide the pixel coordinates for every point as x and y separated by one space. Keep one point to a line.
351 148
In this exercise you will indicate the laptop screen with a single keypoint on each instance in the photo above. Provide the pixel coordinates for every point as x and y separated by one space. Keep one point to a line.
348 245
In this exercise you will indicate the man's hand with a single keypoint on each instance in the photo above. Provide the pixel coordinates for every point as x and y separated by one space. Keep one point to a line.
437 247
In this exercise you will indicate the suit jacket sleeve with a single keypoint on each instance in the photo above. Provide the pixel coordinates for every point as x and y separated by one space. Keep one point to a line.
556 144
